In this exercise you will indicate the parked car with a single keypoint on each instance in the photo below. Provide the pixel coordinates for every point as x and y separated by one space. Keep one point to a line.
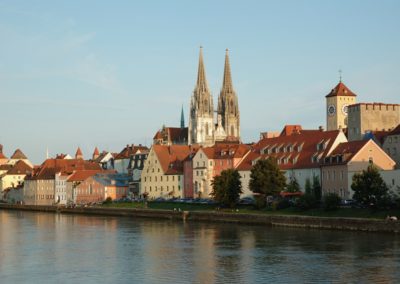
247 201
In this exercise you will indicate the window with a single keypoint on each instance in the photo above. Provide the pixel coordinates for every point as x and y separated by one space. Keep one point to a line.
204 163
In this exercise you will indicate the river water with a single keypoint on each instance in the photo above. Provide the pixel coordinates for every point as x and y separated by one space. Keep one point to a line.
51 248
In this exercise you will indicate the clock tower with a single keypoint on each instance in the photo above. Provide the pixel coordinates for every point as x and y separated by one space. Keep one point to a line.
337 102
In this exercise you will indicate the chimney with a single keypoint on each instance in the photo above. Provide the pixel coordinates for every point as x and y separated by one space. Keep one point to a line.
321 128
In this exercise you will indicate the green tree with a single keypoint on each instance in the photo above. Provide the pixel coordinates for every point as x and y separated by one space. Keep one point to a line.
369 187
308 187
293 185
266 178
227 187
331 201
317 189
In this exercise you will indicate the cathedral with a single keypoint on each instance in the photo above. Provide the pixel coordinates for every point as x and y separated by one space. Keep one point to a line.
202 127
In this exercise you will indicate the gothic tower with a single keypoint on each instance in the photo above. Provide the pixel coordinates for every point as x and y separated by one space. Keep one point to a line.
201 115
337 102
228 106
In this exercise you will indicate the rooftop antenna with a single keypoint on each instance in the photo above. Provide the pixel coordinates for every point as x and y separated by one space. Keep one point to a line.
340 75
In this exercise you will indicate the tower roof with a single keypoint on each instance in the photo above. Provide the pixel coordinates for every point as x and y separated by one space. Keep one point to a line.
78 154
341 90
96 151
227 85
1 153
201 84
18 155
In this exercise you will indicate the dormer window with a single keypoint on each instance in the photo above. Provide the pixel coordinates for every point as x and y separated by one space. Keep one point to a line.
300 147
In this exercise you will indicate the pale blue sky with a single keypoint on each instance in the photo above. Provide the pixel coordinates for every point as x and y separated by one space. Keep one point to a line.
109 73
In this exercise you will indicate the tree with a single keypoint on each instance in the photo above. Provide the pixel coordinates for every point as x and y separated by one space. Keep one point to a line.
293 185
369 187
266 177
331 201
308 187
316 188
227 187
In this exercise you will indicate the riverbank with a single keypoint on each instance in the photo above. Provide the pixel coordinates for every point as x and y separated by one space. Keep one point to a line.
332 223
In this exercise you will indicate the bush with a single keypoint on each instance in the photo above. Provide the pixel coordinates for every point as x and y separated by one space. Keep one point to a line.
331 201
260 201
306 201
283 204
108 200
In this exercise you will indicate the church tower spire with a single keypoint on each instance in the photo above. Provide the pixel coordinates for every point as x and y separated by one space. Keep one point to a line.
228 106
182 119
201 121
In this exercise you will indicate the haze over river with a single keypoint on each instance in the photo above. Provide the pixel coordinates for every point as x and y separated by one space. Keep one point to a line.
55 248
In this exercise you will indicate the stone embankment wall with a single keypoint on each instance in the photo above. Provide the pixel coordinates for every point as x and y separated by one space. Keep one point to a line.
355 224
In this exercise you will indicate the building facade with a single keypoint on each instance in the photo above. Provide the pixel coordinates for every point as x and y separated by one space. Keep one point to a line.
391 145
367 117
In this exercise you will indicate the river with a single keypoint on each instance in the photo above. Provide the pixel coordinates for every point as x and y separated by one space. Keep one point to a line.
56 248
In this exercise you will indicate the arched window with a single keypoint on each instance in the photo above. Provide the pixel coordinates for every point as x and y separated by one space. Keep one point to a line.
232 131
231 106
207 129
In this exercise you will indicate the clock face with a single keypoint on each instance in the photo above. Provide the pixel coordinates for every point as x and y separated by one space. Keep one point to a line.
331 110
345 109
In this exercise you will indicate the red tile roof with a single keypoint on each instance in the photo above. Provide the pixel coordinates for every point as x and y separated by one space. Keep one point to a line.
341 90
52 166
346 151
20 168
81 175
226 151
295 151
171 157
131 150
291 129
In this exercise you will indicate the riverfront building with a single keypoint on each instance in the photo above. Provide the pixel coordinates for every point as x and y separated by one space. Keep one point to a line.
347 159
298 154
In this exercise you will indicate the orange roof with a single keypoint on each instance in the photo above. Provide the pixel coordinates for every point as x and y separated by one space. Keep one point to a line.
130 150
171 157
346 151
52 166
341 90
96 151
81 175
291 129
20 168
226 151
295 151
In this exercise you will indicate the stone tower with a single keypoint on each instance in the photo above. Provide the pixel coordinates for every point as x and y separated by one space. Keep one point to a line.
337 102
201 114
228 106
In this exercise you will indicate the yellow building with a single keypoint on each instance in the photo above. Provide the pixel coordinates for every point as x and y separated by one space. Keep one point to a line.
15 176
162 174
337 102
347 159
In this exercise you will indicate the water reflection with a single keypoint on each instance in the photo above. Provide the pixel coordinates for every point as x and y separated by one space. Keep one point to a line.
72 248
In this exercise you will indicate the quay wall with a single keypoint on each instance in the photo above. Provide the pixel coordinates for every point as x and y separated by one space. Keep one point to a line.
333 223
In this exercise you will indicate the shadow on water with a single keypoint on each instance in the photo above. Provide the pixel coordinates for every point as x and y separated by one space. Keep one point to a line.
95 249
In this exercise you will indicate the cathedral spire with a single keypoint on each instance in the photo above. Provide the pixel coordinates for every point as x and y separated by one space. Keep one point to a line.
182 119
201 74
227 85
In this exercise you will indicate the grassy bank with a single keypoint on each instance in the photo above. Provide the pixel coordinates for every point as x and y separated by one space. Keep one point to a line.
341 212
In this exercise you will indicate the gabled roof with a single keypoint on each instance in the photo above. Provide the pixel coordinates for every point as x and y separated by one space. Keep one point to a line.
171 157
345 152
294 151
130 150
18 155
50 167
341 90
226 151
20 168
81 175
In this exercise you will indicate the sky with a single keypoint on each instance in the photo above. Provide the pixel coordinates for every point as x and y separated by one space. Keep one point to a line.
111 73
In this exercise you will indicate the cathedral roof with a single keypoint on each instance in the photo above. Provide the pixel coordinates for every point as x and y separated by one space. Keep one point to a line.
227 85
341 90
